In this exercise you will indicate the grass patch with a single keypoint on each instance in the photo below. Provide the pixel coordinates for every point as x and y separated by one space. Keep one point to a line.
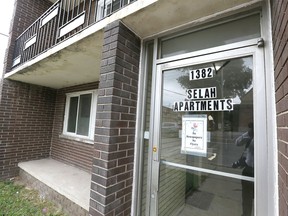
16 200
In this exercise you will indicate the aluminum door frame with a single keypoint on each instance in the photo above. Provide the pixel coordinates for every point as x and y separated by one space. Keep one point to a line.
249 48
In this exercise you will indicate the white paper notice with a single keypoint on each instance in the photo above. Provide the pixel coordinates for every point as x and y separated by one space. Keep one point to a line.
194 135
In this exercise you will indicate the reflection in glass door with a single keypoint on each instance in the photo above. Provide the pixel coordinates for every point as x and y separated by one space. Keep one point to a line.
206 149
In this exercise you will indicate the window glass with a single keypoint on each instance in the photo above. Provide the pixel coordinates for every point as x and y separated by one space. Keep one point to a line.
84 114
232 80
80 114
231 32
72 114
115 5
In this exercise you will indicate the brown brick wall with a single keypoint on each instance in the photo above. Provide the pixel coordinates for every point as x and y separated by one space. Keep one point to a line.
25 13
112 174
26 120
280 37
66 150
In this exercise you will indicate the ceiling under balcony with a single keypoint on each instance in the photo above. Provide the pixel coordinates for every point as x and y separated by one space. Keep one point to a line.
64 65
168 14
77 60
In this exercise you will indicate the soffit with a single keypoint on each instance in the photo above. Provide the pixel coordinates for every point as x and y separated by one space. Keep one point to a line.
53 1
76 64
169 14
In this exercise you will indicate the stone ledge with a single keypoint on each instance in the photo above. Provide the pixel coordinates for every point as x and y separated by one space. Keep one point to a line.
58 181
45 192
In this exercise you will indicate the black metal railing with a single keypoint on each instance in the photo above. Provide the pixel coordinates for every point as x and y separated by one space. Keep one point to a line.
62 20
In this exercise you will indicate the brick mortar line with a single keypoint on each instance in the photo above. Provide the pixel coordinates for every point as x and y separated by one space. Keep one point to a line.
111 186
284 141
282 113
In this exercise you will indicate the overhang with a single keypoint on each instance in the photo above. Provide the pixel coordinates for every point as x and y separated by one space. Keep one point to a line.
166 15
77 60
61 66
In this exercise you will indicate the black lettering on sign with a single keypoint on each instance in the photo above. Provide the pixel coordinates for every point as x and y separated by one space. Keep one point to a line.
230 104
201 93
189 93
204 105
203 73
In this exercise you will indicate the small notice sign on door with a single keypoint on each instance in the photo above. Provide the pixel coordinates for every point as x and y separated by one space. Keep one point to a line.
194 135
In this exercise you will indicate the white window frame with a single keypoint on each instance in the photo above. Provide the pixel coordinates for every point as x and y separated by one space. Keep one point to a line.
103 12
92 115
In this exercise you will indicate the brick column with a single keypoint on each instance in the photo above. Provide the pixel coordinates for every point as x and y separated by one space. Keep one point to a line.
280 47
112 171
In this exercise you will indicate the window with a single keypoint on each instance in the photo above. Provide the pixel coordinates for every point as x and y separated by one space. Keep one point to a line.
80 114
106 7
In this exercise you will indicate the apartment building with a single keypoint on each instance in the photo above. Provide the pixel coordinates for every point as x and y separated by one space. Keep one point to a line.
148 107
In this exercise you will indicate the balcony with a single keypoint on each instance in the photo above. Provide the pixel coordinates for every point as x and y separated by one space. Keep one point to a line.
61 21
63 47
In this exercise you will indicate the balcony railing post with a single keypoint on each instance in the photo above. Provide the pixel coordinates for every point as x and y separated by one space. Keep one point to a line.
84 5
78 7
89 12
95 10
63 9
61 2
68 10
73 8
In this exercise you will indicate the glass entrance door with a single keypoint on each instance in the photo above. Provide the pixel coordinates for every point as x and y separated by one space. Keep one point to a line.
203 153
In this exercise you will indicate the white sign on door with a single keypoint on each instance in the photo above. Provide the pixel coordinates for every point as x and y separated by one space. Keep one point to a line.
194 135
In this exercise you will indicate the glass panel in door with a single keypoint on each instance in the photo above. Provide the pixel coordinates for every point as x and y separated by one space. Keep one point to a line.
207 145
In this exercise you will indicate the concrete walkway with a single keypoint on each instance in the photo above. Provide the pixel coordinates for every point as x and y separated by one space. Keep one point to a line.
68 181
